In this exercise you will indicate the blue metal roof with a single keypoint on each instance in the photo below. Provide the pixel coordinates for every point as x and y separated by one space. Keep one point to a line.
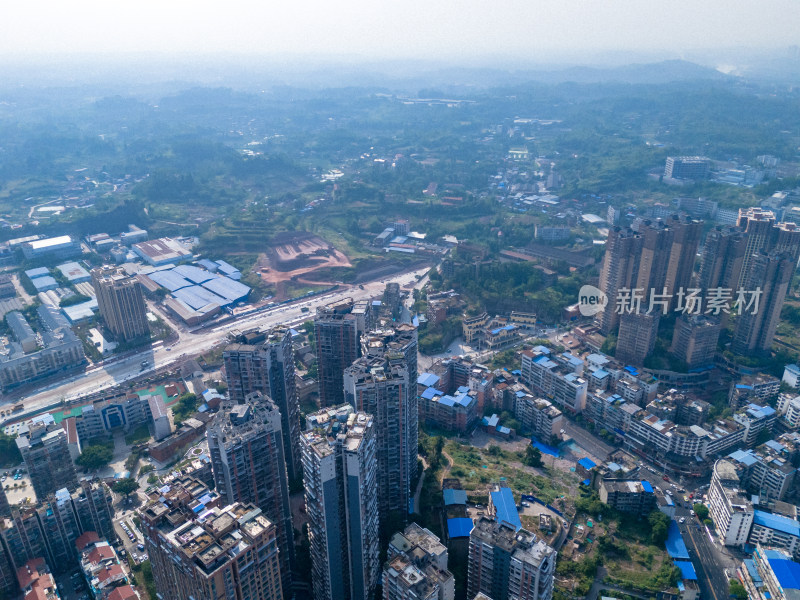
460 527
542 349
197 297
647 487
38 272
505 508
491 421
454 497
193 274
430 392
463 399
227 268
760 412
170 280
676 548
209 265
787 572
587 463
776 522
227 288
775 446
503 429
687 569
600 373
746 457
447 400
428 379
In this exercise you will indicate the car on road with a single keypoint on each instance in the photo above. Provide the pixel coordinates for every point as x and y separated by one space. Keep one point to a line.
140 547
682 521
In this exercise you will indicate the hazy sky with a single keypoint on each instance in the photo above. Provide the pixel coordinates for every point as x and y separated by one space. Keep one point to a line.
457 29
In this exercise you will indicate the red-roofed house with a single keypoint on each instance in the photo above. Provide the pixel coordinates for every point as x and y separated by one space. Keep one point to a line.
101 568
36 582
87 539
124 592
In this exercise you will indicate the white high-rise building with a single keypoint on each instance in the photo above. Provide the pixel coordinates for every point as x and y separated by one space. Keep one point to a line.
729 508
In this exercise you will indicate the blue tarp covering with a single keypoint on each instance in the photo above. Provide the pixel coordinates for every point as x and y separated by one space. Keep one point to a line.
676 548
687 569
787 572
586 481
545 449
505 508
647 487
776 522
587 463
428 379
454 497
460 527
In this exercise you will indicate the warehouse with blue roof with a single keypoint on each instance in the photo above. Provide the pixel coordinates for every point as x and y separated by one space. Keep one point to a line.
231 290
504 509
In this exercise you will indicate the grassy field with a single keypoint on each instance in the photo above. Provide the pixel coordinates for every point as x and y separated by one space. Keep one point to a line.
479 469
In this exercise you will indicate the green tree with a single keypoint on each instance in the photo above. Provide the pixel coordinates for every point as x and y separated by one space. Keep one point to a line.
737 590
9 453
659 523
95 457
701 510
533 457
184 408
125 486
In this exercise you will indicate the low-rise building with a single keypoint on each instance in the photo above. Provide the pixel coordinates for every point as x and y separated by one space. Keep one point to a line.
776 531
767 470
628 495
770 575
55 349
555 377
188 433
457 412
791 375
789 409
63 246
36 581
539 417
100 566
759 389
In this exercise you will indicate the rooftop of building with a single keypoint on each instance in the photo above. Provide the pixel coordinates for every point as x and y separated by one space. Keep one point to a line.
628 486
521 544
235 422
337 424
216 534
415 536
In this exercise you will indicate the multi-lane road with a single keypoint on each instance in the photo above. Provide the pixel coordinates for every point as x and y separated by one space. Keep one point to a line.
191 343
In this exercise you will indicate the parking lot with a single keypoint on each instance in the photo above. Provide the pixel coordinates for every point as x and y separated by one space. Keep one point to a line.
17 486
132 539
